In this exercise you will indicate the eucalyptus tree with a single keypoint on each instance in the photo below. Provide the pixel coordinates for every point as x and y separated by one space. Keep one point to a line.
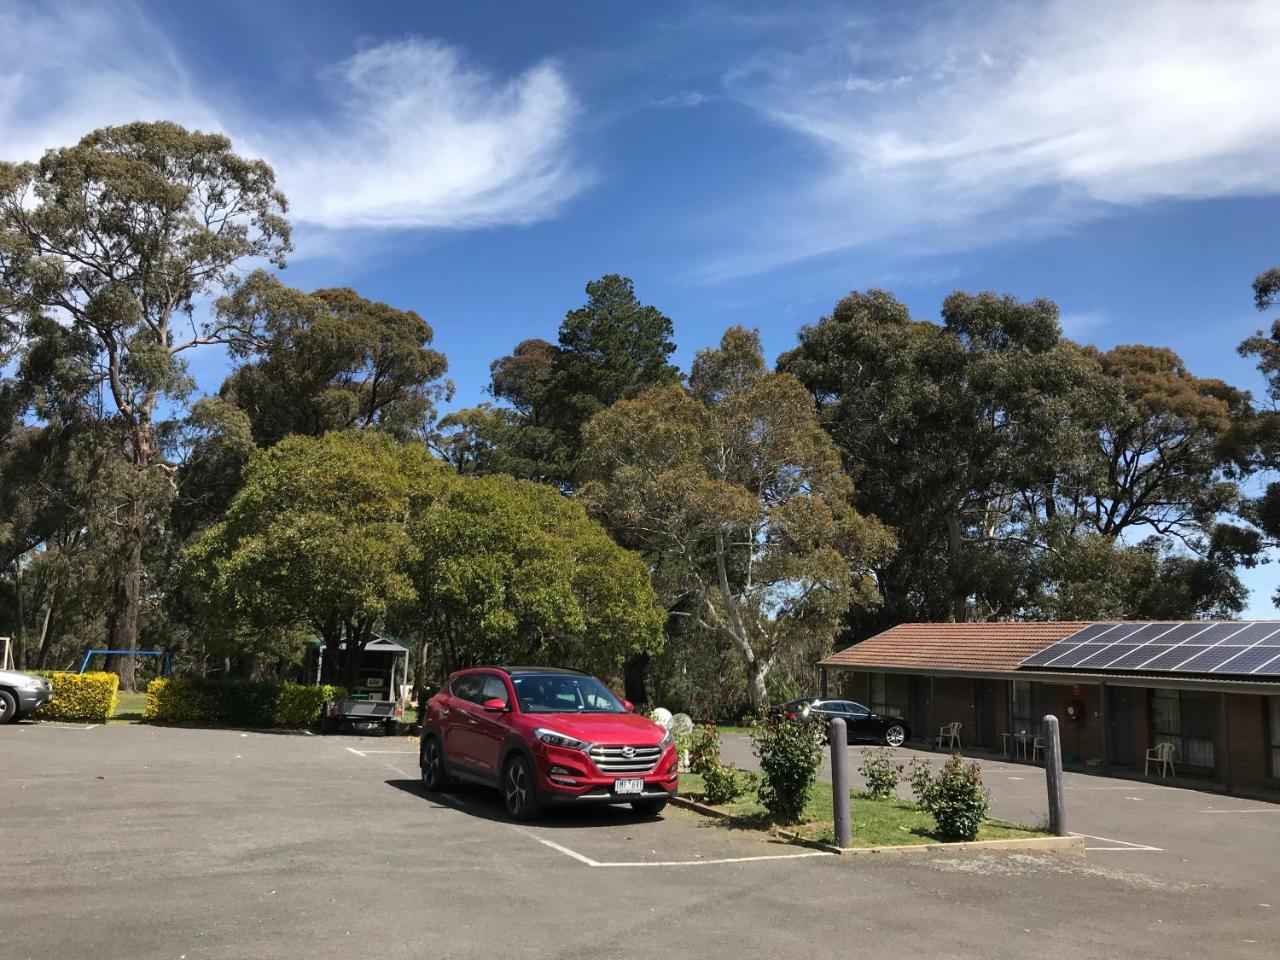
736 497
121 238
330 360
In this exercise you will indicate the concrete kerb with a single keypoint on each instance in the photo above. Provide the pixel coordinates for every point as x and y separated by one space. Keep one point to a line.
1069 845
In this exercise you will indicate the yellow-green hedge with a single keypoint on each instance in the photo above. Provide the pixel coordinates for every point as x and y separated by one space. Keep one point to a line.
236 703
81 697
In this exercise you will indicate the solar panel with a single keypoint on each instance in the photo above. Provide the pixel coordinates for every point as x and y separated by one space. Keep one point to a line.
1237 648
1249 660
1093 630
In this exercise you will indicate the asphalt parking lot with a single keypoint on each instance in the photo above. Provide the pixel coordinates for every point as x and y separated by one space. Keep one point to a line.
137 842
1174 833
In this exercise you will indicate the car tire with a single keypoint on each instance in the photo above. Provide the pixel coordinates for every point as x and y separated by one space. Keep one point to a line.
8 707
520 790
649 808
895 735
434 777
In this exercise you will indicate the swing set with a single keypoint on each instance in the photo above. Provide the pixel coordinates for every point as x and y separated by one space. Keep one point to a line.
166 661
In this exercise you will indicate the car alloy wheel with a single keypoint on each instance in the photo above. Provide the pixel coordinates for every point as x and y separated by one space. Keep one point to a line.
432 766
8 706
520 792
895 736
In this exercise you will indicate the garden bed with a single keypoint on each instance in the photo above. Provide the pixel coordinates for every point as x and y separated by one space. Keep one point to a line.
876 823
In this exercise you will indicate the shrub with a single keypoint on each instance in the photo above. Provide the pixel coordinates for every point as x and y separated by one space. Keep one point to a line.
956 797
790 752
236 703
724 782
88 697
881 773
704 746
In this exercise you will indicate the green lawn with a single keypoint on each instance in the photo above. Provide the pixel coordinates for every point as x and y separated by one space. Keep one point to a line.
876 823
129 707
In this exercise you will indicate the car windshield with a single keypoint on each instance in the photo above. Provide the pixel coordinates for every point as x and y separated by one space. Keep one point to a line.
564 693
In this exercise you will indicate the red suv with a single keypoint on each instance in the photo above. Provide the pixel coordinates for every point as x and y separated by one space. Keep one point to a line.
545 736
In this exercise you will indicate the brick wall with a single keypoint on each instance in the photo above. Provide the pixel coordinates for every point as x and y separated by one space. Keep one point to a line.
956 699
1250 762
1082 740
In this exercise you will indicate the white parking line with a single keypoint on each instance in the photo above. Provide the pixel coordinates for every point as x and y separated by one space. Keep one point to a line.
358 753
399 753
581 858
1120 844
1277 810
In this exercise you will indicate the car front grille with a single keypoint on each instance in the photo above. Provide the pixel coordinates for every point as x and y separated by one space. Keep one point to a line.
614 760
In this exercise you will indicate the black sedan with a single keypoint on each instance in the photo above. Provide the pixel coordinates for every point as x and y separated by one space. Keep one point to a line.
860 723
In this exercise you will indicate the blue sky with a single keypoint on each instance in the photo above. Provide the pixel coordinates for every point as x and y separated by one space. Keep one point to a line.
744 163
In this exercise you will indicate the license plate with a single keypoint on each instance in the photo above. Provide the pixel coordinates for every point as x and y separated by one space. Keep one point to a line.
635 785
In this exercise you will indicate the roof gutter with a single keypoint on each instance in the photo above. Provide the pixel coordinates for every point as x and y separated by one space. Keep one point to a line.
1111 679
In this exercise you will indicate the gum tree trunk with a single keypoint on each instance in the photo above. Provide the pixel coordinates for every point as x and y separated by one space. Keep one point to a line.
123 628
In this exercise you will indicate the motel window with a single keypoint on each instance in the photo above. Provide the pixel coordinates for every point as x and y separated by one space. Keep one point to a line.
1274 704
1023 720
880 694
1185 719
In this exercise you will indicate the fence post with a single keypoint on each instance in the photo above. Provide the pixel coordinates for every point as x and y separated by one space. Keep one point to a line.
840 781
1053 776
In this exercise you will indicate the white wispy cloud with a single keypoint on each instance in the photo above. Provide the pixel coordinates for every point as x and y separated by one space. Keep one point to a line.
685 99
1083 323
996 120
412 133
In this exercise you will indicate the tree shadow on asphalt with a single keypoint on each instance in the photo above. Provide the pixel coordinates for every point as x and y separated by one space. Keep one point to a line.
485 804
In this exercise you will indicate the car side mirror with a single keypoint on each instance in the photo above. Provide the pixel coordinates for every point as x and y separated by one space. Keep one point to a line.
495 706
628 706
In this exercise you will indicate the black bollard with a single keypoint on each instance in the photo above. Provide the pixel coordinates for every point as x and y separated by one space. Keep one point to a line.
840 781
1053 776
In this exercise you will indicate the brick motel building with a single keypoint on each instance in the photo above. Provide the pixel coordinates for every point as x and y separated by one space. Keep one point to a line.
1210 689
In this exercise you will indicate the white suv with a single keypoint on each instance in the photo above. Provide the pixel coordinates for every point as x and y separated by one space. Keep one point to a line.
21 694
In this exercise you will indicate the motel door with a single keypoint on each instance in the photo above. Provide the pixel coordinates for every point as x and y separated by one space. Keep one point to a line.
1120 720
985 707
918 706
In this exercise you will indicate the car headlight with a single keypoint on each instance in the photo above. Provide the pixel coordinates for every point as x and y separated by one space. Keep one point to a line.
34 683
666 741
553 739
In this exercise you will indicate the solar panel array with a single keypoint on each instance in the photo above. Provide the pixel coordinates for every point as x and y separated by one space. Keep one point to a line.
1242 648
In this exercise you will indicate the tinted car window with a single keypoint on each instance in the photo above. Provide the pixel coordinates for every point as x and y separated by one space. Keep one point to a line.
554 693
468 688
857 709
493 688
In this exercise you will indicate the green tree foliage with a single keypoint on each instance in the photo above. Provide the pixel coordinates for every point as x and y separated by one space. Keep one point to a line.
612 347
735 495
1256 446
991 444
116 238
340 534
330 360
510 571
317 539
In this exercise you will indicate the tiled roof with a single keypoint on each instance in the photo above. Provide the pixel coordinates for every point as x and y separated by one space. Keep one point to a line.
976 647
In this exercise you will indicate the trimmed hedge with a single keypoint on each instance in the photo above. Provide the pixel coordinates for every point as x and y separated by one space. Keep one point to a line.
236 703
87 697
